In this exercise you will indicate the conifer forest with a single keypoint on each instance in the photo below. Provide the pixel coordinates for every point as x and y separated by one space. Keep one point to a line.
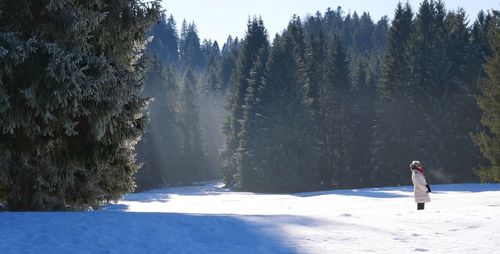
101 98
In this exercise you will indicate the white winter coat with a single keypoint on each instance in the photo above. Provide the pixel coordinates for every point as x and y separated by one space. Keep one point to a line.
419 187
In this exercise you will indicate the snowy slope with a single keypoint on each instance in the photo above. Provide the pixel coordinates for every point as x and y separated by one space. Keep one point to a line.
462 218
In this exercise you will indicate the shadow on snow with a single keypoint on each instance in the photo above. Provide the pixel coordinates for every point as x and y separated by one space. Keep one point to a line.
110 232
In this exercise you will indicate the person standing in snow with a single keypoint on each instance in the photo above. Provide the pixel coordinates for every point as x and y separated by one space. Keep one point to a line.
420 187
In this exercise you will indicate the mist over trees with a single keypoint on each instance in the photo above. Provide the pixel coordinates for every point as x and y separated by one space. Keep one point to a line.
335 105
334 101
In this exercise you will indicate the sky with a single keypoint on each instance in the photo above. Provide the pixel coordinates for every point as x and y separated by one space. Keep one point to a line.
216 19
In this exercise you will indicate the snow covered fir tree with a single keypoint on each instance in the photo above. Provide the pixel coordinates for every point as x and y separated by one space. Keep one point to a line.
100 98
70 110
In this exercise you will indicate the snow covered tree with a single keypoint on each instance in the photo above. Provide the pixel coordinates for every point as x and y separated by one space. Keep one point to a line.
70 110
489 139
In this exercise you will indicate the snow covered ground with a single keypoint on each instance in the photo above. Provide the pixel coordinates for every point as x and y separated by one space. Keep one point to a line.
462 218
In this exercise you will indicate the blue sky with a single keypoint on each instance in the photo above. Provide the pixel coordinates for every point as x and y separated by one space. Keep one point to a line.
216 19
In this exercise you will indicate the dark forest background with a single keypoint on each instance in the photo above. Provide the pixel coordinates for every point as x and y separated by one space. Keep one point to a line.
336 100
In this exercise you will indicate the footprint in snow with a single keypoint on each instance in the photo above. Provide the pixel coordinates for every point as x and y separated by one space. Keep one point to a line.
421 249
400 239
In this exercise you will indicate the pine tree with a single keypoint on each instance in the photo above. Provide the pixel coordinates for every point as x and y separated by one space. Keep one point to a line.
158 150
480 47
255 40
70 104
362 36
440 48
489 139
315 61
190 48
362 119
192 144
229 55
287 153
379 35
460 114
212 81
165 41
391 150
212 113
334 131
334 21
250 173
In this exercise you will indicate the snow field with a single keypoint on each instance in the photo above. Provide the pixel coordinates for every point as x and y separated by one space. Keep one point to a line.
462 218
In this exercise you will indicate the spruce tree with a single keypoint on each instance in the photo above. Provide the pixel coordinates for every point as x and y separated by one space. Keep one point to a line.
212 81
361 122
391 150
192 144
362 36
335 131
460 114
315 61
480 47
158 150
165 41
489 139
229 55
250 173
255 40
70 110
282 149
190 48
379 35
428 85
440 47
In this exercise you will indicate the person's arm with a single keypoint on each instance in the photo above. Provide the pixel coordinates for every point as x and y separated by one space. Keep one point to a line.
420 182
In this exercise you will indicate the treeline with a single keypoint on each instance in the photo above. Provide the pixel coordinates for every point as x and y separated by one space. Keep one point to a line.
331 104
186 81
335 101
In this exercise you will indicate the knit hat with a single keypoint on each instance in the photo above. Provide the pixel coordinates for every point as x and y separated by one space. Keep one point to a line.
415 164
